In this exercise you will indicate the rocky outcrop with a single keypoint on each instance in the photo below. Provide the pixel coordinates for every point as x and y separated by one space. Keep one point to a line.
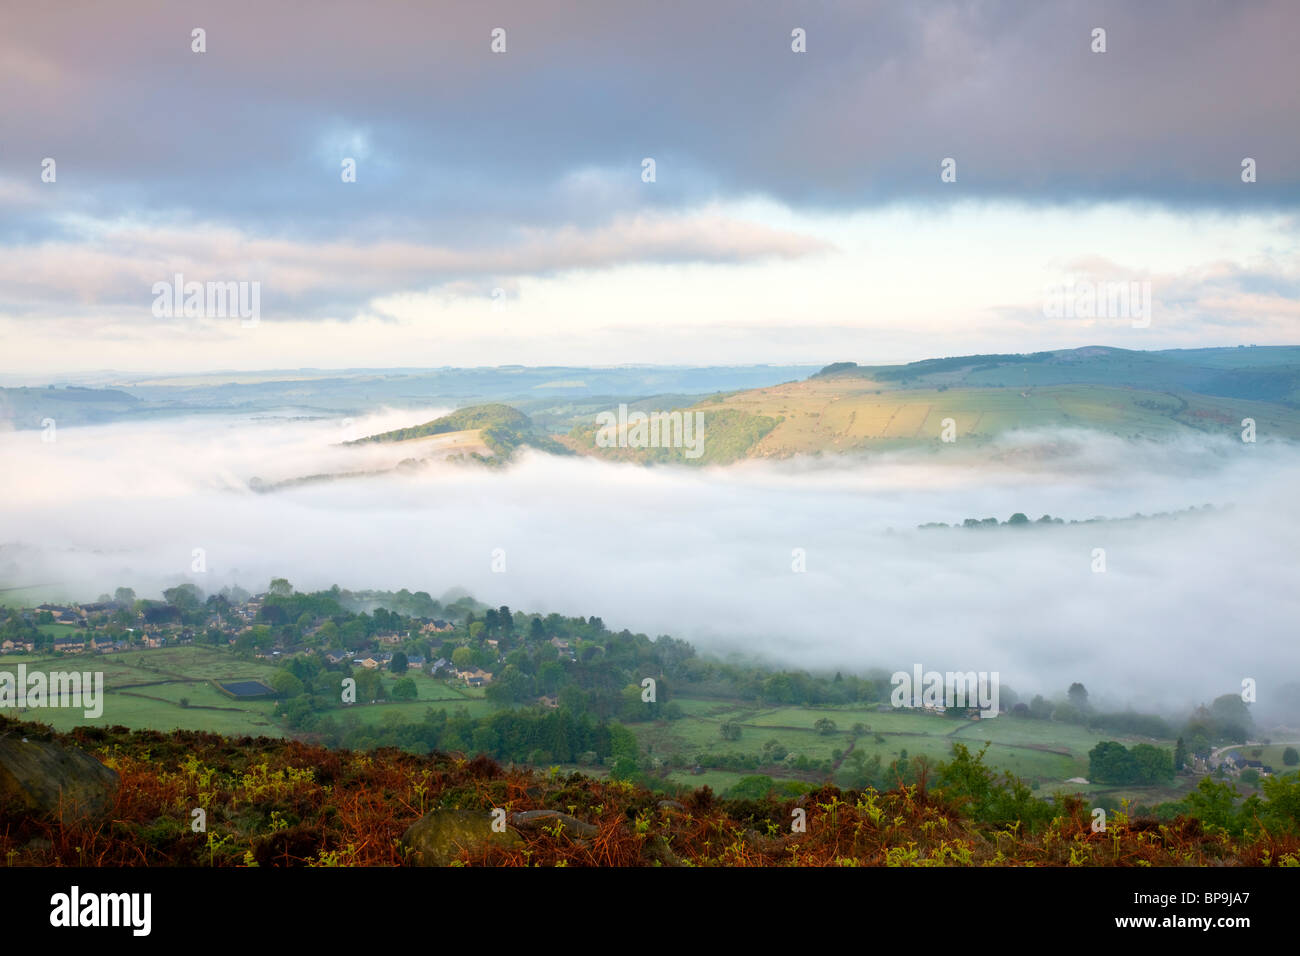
438 837
42 777
554 822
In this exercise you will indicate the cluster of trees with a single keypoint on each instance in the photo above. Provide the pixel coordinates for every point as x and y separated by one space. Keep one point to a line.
1019 519
1218 804
519 736
14 627
1111 762
773 754
1226 720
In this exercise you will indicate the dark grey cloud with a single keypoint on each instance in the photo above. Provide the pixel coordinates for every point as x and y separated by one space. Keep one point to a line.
451 137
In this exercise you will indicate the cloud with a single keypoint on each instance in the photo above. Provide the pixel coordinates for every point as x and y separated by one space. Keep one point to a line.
254 129
117 264
1188 606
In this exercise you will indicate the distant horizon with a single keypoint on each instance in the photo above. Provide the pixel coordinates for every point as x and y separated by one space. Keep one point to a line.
6 375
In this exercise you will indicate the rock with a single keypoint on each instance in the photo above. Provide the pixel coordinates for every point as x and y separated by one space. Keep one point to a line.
44 777
659 852
533 820
438 837
670 805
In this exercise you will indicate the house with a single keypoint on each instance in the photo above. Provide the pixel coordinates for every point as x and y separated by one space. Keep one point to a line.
369 662
100 606
549 701
474 676
415 662
61 614
441 664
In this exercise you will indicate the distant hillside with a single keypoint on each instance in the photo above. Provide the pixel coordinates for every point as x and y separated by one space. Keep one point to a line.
28 407
501 428
1268 374
847 407
727 435
464 419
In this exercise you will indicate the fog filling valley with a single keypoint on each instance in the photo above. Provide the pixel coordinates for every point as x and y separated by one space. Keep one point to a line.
1186 608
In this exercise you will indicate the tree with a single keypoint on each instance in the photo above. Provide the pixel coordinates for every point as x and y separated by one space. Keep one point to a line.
285 684
1018 519
462 657
400 664
774 751
730 730
328 635
755 787
825 726
405 689
1111 762
1290 757
280 587
1078 695
124 596
1231 718
1151 765
1067 713
370 684
1214 804
185 596
623 750
1180 755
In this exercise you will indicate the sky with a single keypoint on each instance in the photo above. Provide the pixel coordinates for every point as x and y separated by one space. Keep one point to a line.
501 212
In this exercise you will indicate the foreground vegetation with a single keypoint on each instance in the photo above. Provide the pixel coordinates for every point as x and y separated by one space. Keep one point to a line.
284 803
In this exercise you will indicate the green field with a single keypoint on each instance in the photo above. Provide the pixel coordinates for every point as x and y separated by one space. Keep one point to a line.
1042 752
59 630
143 689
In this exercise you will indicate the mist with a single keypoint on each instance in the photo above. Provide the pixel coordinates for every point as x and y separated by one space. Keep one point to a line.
1187 607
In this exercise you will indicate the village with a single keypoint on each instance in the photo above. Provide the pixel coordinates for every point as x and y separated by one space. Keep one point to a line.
113 626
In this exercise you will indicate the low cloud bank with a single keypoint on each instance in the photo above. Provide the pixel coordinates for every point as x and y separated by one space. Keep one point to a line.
1187 607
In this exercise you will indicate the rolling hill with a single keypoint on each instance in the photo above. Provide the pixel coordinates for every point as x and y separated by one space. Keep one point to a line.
495 429
846 407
